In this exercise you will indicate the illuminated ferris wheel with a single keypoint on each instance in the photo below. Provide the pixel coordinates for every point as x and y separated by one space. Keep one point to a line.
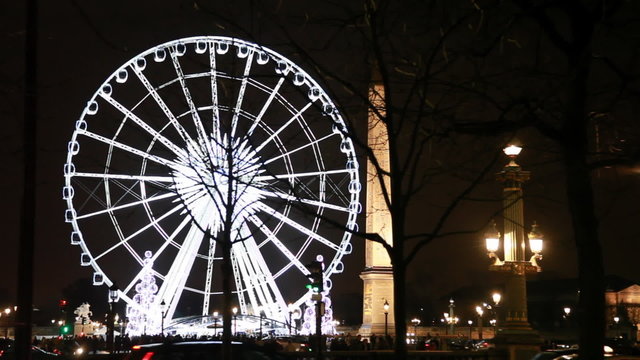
200 135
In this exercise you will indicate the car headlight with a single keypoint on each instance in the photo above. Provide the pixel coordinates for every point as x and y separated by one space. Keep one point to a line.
79 351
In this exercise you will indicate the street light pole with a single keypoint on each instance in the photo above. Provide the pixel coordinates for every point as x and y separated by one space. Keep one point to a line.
515 264
480 312
386 317
114 296
235 320
415 322
290 313
163 309
215 323
451 317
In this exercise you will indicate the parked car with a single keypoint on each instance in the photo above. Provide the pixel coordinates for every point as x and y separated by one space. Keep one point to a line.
431 344
196 350
482 344
69 348
36 354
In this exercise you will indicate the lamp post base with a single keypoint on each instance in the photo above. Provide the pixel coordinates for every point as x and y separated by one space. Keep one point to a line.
519 343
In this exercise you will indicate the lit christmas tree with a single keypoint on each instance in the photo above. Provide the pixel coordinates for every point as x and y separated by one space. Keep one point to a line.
309 325
144 316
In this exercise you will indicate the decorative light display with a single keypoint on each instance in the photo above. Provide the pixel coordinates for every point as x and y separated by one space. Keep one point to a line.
309 318
194 130
144 316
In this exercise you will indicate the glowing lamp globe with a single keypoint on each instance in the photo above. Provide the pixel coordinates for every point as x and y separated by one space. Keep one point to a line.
496 297
492 238
512 150
535 239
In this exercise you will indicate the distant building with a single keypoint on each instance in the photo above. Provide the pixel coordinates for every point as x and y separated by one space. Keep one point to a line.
547 300
622 298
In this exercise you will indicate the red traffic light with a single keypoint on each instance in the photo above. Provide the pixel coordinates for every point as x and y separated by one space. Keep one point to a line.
62 303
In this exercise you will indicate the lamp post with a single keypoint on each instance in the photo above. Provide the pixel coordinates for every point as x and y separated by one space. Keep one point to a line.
470 322
290 307
261 317
515 265
114 296
567 311
386 317
163 313
450 318
496 297
415 322
215 323
616 320
479 311
235 320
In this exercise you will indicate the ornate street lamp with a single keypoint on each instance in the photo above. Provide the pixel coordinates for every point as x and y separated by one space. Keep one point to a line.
386 317
514 262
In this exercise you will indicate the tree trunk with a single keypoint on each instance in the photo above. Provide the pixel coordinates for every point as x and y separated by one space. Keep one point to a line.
23 317
227 274
581 204
590 264
400 344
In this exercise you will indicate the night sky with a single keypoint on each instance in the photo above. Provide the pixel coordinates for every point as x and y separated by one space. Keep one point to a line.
82 42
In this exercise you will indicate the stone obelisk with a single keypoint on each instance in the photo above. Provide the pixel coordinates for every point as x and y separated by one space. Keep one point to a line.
377 275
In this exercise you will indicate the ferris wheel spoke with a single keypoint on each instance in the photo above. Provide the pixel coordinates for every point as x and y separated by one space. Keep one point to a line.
305 146
176 277
266 105
296 226
107 176
269 289
163 106
208 277
124 206
295 261
168 240
91 194
156 135
249 277
202 134
215 110
243 88
294 198
128 148
277 132
298 175
152 223
241 290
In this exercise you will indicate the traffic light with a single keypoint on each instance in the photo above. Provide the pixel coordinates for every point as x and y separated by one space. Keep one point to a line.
62 304
65 329
316 281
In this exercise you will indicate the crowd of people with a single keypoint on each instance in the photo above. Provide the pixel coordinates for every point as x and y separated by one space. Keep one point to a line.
96 343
